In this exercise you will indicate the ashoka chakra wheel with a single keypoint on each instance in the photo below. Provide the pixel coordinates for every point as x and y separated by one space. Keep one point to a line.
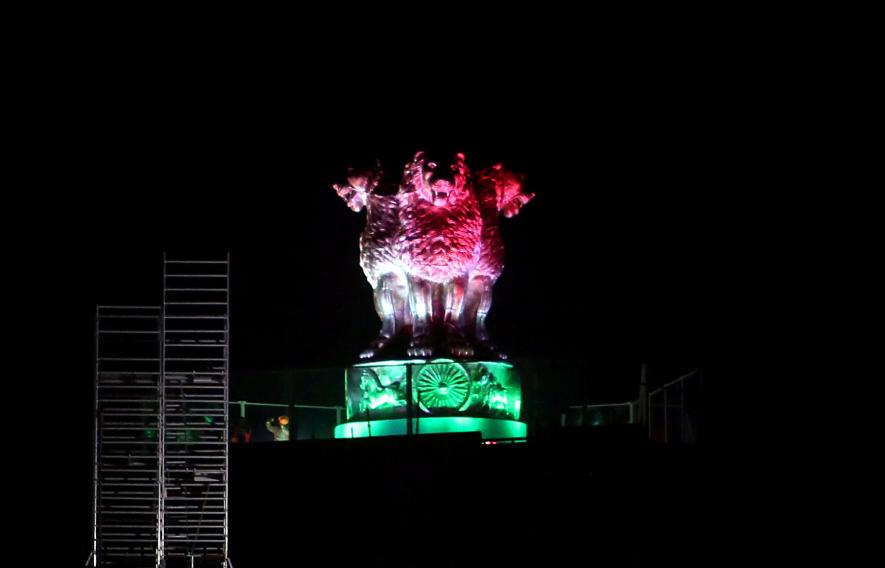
442 386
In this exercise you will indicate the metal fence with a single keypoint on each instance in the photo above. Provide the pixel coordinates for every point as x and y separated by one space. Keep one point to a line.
599 414
260 421
673 412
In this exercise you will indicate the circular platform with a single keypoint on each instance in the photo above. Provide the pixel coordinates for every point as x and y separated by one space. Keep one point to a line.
489 427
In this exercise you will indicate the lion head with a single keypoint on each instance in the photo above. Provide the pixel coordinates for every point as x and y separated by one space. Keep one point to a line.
361 182
508 186
440 182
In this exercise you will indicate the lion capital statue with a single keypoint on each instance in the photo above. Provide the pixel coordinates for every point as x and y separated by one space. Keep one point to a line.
432 250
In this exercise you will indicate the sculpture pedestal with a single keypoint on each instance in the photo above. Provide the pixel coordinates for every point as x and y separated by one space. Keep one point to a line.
489 427
439 395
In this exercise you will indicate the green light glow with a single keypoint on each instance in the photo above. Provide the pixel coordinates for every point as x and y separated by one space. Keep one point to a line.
391 363
441 387
498 401
394 363
488 427
385 399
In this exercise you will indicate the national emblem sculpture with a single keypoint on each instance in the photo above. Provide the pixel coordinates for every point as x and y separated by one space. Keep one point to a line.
432 251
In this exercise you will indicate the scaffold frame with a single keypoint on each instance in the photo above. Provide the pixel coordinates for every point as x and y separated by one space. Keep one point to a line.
160 467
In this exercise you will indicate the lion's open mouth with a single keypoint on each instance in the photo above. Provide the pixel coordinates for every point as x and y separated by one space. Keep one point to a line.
440 190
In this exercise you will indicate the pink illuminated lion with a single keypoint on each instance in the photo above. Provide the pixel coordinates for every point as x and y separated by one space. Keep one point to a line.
379 252
432 250
498 190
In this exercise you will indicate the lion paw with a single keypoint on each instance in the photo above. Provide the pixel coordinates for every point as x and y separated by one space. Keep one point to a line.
375 347
420 347
457 344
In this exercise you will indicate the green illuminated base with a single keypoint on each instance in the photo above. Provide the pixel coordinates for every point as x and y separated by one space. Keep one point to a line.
441 388
489 427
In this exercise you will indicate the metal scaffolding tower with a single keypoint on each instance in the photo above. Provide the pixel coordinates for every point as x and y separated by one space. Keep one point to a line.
127 466
193 423
161 423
